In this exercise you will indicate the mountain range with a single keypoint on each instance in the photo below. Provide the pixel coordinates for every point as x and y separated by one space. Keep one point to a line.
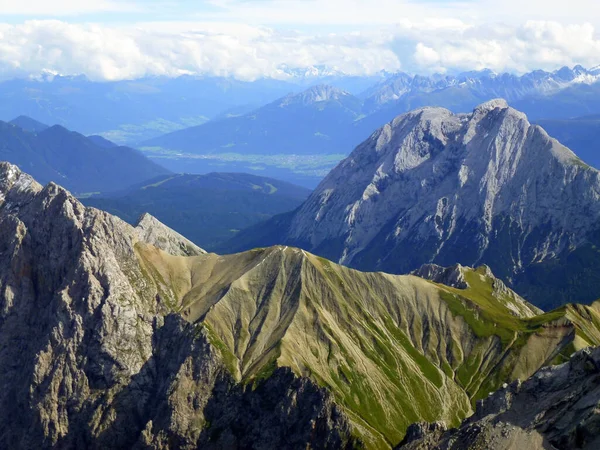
132 110
57 154
309 132
313 122
209 209
437 290
120 336
437 187
326 119
478 84
561 94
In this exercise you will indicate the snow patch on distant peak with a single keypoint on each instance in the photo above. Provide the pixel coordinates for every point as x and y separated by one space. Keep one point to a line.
316 94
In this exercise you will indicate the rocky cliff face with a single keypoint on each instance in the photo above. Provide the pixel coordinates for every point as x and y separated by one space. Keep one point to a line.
151 231
435 187
556 408
91 355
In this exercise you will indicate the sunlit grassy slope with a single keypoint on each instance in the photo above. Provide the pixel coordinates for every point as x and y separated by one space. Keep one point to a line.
393 350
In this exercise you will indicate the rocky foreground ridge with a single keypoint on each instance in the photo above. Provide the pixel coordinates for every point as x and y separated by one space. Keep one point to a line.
436 187
112 337
557 408
92 356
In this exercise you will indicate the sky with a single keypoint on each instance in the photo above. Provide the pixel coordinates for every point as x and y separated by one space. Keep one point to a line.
249 39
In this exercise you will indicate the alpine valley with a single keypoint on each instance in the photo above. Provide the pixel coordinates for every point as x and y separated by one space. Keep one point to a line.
115 336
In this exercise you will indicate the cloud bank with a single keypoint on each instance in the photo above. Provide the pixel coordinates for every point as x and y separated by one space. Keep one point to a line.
109 52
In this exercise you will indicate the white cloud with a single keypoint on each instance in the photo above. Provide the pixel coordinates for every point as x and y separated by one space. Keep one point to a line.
426 56
533 45
63 7
248 52
112 53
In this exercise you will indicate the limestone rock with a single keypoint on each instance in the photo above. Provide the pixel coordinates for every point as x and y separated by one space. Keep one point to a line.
154 232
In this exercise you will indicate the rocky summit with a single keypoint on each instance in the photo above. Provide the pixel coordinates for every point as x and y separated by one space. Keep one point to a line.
113 336
436 187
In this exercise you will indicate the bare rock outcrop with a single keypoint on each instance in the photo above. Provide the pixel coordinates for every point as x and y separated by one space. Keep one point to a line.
154 232
557 408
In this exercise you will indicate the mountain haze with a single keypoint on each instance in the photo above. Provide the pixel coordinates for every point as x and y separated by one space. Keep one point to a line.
209 209
581 134
59 155
29 124
130 111
435 187
458 92
316 121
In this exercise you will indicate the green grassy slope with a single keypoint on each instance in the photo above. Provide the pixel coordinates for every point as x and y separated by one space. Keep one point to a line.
392 349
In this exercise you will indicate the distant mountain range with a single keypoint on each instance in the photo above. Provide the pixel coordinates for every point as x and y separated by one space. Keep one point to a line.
208 209
313 122
29 124
563 93
131 111
307 133
83 165
482 84
431 186
327 119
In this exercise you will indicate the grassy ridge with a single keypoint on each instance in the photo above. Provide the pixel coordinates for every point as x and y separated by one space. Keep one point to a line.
393 350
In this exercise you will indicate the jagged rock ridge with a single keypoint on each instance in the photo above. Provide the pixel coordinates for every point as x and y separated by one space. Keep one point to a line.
483 83
91 355
152 231
374 340
316 94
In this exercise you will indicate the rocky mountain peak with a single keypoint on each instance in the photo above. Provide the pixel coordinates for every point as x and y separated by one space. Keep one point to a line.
457 276
436 187
91 347
150 230
315 94
484 108
115 343
15 185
